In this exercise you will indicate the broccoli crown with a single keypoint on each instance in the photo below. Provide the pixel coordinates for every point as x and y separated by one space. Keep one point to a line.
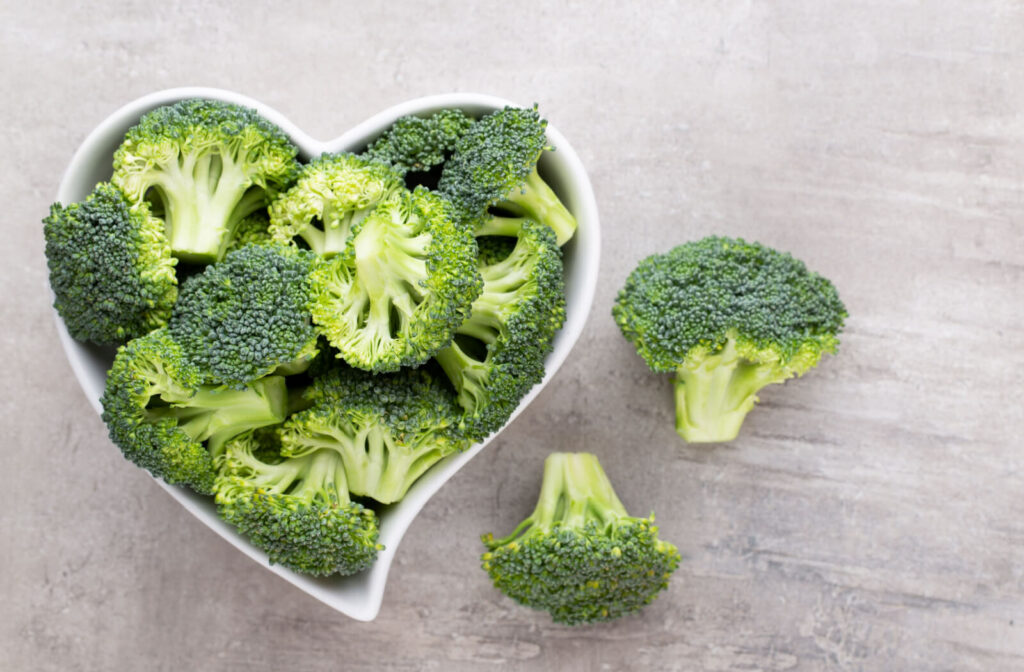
580 555
683 306
388 429
416 144
244 316
296 509
253 229
331 195
401 288
159 412
498 353
110 267
205 165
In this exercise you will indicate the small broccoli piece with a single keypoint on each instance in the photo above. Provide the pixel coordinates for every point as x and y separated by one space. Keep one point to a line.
498 353
332 194
204 165
401 288
495 165
388 429
296 509
727 317
110 267
254 229
417 144
579 555
159 411
243 317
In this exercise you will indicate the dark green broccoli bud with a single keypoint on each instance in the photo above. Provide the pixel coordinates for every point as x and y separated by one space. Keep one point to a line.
388 429
253 230
495 165
728 318
333 194
111 268
417 144
204 165
498 353
494 249
296 509
579 555
159 412
401 288
243 317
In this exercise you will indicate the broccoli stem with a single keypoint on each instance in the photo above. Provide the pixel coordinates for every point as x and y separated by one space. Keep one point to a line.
497 225
536 200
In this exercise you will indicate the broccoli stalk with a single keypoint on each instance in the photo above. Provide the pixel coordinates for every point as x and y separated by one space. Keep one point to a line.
534 199
580 555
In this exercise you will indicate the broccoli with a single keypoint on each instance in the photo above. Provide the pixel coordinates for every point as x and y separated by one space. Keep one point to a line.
498 354
494 249
253 229
332 194
401 288
110 267
388 429
243 317
296 509
728 317
579 555
159 411
205 165
495 165
415 144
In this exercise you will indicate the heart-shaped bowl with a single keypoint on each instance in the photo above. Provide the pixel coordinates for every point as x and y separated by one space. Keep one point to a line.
357 596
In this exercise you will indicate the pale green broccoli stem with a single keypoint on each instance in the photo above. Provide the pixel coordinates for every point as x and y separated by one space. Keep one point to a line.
537 201
497 225
337 230
467 375
714 396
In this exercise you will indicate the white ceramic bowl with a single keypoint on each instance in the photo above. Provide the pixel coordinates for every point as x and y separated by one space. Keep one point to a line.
357 596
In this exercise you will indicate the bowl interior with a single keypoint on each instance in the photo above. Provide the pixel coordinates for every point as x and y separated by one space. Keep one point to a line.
358 596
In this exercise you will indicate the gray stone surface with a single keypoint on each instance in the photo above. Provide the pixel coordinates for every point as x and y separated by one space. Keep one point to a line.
870 515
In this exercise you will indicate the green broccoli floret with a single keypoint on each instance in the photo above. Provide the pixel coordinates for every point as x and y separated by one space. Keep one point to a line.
417 144
401 288
204 165
495 165
332 194
493 249
388 429
579 555
111 268
727 317
498 353
296 509
159 411
243 317
254 229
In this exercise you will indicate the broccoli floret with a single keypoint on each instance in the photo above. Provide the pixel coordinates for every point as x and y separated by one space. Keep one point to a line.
495 165
388 429
498 354
727 317
579 555
403 285
110 267
243 317
493 249
333 193
296 509
159 411
416 144
205 165
254 229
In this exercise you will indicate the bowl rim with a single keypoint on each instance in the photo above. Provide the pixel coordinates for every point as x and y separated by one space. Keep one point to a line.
359 596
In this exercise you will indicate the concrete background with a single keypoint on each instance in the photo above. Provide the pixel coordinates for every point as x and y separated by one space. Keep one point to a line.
869 517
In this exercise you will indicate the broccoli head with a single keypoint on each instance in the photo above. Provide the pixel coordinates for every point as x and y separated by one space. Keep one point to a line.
332 194
243 317
160 413
417 144
296 509
495 166
727 317
388 429
498 354
204 165
110 267
403 285
580 555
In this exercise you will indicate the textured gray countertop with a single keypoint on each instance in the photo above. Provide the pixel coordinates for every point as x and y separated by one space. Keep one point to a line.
869 517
